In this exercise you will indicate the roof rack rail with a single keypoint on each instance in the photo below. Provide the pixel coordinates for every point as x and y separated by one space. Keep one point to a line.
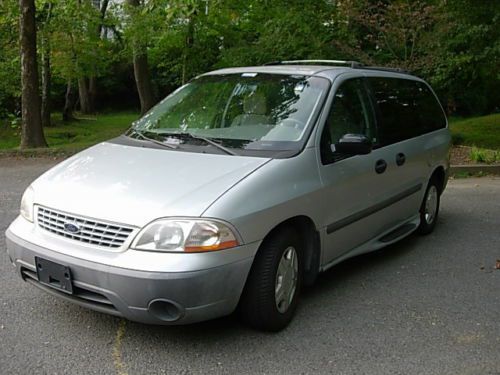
384 69
351 64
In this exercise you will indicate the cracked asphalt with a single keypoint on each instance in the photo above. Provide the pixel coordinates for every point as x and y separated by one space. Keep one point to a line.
427 305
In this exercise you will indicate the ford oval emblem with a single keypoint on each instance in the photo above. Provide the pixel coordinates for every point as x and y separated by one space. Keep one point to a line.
71 228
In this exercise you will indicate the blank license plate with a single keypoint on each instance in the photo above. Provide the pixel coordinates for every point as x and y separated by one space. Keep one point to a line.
54 275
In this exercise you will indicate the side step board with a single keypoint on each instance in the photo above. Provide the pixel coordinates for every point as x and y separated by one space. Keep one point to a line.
377 243
398 232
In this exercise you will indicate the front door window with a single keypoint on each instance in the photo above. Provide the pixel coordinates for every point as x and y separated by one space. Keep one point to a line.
350 113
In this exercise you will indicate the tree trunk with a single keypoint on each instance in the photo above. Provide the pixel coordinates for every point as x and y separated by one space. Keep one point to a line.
103 6
141 72
32 131
67 114
187 46
46 82
143 82
83 93
102 10
92 93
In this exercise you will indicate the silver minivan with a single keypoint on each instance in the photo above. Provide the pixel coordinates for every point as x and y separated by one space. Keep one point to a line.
235 191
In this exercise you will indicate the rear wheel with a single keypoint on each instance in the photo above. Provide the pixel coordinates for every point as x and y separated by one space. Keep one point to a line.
430 208
273 286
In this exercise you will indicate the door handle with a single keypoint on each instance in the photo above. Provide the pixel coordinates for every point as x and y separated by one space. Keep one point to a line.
400 159
380 166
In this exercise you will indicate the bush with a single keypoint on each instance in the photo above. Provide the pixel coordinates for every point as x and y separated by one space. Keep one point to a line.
481 155
457 139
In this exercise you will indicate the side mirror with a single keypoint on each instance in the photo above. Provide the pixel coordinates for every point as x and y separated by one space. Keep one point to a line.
354 144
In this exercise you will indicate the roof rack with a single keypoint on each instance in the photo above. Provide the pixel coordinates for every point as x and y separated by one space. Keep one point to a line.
350 64
384 69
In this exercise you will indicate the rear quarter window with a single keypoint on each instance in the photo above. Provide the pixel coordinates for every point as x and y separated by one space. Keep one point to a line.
405 109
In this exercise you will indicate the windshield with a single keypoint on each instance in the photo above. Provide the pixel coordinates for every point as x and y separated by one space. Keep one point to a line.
248 111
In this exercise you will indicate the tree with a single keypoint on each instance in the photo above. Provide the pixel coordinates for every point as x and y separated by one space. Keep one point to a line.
69 102
261 31
10 62
140 61
100 49
103 7
79 54
396 33
32 132
46 66
464 69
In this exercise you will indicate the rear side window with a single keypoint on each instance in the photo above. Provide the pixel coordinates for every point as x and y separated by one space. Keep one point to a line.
405 109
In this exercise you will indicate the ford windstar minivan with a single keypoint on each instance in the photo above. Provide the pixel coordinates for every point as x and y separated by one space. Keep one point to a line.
235 191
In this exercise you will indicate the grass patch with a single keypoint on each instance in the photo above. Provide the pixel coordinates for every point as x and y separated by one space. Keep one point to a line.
74 135
483 132
480 155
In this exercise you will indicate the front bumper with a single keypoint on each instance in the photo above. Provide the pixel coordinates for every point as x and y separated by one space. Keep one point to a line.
144 296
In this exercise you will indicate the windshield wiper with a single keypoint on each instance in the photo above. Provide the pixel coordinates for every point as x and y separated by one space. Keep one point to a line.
204 139
142 136
187 135
211 142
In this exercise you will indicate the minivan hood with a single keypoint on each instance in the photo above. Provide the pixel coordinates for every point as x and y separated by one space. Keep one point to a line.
135 185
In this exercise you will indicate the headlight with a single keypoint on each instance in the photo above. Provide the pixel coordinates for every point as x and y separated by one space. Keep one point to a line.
185 235
27 204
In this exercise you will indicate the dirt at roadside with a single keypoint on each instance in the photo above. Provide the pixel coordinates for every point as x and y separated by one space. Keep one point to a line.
460 155
15 161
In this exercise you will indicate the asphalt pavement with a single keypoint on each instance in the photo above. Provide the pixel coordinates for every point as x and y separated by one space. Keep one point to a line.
427 305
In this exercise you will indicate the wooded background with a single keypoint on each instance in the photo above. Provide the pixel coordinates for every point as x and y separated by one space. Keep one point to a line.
96 55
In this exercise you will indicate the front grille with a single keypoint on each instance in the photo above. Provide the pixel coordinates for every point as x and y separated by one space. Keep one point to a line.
89 231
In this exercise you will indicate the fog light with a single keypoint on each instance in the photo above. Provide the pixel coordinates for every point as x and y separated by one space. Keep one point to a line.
165 310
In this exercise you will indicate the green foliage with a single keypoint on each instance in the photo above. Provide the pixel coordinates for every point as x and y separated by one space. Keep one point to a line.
10 64
480 155
78 49
457 138
265 31
465 55
482 132
453 44
395 33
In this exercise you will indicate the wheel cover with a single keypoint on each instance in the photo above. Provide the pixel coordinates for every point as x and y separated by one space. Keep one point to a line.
286 279
431 205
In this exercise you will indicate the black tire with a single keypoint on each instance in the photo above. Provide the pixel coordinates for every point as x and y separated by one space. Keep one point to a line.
427 224
258 306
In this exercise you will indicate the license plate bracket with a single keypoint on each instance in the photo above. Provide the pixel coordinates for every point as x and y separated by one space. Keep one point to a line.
54 275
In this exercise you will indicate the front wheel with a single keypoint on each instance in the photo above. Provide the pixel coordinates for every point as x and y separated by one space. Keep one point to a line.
429 209
272 290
